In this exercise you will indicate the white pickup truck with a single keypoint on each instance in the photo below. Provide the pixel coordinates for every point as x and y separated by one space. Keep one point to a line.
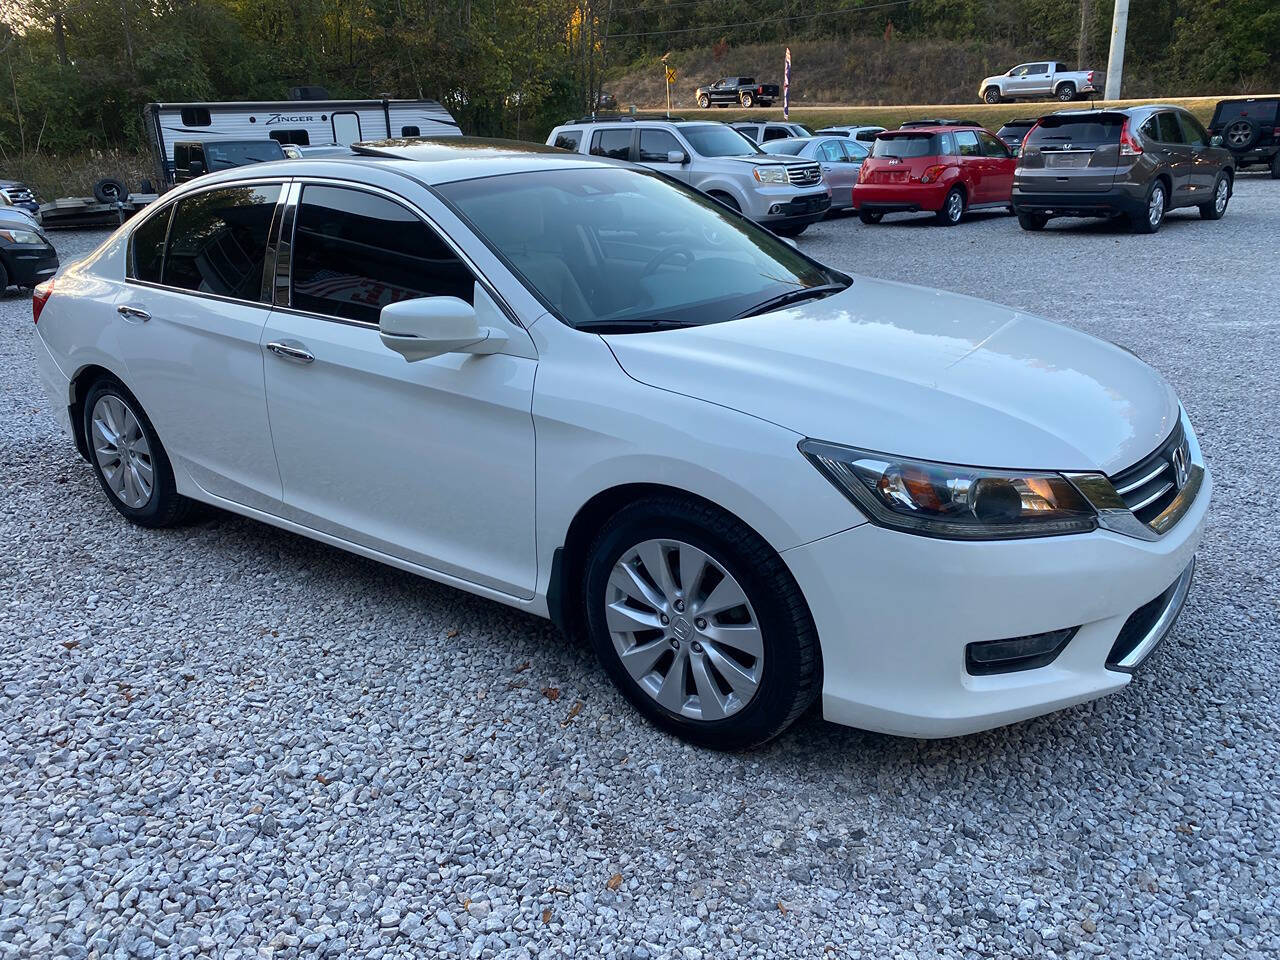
1045 78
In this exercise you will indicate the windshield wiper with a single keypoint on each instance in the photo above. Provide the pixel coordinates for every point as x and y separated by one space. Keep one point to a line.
638 325
793 296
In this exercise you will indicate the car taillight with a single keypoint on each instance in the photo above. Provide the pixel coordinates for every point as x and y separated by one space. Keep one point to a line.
1276 132
864 172
760 89
39 297
1022 151
1090 77
1129 145
933 173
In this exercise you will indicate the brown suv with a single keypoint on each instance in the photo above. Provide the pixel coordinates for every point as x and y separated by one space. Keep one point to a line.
1137 163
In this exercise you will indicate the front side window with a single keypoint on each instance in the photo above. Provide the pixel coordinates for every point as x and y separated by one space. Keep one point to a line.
621 250
717 140
355 252
218 241
991 146
1192 132
225 154
614 143
855 150
147 245
568 140
656 144
830 150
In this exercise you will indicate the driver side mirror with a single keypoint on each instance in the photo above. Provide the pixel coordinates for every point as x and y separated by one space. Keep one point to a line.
433 326
195 168
677 156
1215 141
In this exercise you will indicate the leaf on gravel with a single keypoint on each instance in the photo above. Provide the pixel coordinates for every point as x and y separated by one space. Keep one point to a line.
782 908
523 667
71 644
551 693
573 712
546 915
451 633
323 780
614 882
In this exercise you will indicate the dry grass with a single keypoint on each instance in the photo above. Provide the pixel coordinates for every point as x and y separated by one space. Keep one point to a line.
74 175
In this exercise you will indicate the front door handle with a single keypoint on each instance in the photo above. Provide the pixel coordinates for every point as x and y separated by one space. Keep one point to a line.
290 350
133 314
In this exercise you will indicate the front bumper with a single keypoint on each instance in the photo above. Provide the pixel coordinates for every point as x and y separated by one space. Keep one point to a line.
1120 200
787 209
895 612
900 197
29 263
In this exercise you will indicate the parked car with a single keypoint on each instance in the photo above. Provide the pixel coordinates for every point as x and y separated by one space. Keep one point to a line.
1139 163
784 195
741 90
762 133
194 158
607 101
1250 129
1039 80
937 122
839 157
27 258
865 134
19 196
949 170
639 414
1014 132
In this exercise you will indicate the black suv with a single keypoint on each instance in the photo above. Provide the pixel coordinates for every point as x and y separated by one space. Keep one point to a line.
1250 129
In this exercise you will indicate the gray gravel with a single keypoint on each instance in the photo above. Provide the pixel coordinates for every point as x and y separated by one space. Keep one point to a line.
229 741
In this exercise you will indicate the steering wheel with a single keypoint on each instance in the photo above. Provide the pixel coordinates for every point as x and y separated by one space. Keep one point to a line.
664 255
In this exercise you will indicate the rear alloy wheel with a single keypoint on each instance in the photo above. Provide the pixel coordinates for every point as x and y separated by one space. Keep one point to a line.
992 95
1032 221
952 211
1215 208
1275 167
748 100
4 280
128 460
1153 214
704 101
700 624
1067 92
870 217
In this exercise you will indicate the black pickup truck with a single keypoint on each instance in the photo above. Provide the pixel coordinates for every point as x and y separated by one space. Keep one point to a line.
740 90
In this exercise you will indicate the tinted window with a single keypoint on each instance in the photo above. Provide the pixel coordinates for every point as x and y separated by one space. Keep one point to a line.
219 240
299 137
225 154
911 145
410 132
867 135
354 252
1079 133
1262 111
148 247
568 140
717 140
776 133
1192 132
992 147
196 117
967 141
656 144
830 150
1168 129
612 143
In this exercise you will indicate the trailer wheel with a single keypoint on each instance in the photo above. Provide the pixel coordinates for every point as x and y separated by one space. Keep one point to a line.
110 190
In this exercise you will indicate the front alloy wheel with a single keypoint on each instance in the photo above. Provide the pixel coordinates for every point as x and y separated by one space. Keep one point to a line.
704 101
748 100
1215 208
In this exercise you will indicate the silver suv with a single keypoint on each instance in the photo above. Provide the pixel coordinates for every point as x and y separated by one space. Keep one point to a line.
782 193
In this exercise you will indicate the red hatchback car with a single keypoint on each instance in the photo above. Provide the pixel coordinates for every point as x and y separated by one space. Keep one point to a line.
946 170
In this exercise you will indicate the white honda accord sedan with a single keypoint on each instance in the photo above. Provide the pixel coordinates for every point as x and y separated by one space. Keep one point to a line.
587 391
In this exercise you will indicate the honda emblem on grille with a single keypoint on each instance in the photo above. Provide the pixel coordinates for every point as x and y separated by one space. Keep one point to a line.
1181 468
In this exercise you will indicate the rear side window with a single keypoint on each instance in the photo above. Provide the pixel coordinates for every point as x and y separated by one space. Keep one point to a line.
911 145
967 141
218 241
611 143
1078 133
147 243
355 252
867 135
1168 130
299 137
776 133
568 140
656 144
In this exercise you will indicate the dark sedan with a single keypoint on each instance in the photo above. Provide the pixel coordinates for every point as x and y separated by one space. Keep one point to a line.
26 255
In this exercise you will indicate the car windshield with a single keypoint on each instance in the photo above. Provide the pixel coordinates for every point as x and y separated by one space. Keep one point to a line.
906 145
224 154
790 146
717 140
618 250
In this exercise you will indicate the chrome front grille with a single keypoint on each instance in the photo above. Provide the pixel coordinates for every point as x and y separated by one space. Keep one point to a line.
804 175
1150 485
18 194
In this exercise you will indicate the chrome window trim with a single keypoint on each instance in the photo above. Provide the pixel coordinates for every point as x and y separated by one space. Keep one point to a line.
291 223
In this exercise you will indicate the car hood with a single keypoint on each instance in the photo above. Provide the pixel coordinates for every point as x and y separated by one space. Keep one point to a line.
763 159
920 373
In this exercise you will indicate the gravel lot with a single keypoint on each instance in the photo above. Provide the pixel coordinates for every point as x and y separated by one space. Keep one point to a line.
230 741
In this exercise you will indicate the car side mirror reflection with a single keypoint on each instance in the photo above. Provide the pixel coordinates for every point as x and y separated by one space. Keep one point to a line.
433 326
677 156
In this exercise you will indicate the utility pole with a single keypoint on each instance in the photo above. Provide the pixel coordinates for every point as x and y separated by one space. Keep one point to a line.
1115 62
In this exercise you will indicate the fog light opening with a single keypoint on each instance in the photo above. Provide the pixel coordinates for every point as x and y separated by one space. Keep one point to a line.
1017 653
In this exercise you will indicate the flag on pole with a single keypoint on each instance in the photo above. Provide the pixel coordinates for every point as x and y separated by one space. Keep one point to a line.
786 85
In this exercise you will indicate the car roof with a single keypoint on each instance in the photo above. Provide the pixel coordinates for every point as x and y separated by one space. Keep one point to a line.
924 131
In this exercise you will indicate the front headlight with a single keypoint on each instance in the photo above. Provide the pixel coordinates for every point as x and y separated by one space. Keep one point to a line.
953 502
21 236
771 174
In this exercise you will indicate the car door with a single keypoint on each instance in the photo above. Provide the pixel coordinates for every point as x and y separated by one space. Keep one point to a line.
1204 166
1176 153
971 164
1016 82
428 462
1039 79
997 170
189 322
721 92
655 147
839 174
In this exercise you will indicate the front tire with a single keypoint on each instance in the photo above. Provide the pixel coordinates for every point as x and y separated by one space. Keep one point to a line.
4 280
1032 221
1067 92
726 199
870 217
1275 167
1215 208
991 95
128 458
704 101
1153 215
791 231
952 211
700 624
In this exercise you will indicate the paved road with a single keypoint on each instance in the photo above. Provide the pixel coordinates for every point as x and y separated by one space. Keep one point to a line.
229 741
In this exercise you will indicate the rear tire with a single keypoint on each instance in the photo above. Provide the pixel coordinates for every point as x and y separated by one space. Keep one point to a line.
1152 216
952 211
123 435
748 100
1032 221
1275 167
1066 92
991 95
870 217
1215 208
775 676
4 280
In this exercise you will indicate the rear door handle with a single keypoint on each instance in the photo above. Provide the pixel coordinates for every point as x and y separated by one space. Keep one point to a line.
290 350
133 314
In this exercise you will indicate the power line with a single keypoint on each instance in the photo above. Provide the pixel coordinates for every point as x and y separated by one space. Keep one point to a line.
757 23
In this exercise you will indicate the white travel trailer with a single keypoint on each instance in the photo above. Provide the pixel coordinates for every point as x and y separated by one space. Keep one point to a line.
300 122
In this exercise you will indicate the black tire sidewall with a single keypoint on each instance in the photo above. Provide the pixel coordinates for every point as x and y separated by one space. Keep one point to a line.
945 217
869 217
160 509
772 706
